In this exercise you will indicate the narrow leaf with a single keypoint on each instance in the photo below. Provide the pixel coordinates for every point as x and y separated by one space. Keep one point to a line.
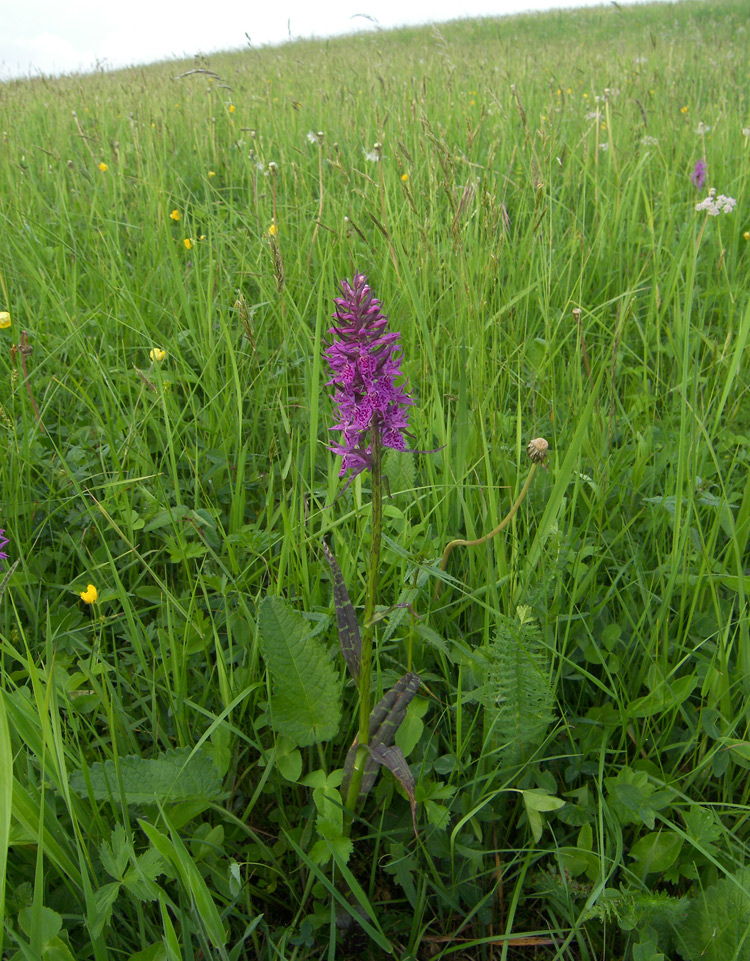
393 758
349 637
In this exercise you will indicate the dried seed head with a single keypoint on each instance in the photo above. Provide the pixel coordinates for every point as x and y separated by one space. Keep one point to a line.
272 168
577 314
537 451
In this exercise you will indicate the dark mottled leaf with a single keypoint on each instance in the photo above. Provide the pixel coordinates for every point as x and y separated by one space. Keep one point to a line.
385 719
349 638
393 758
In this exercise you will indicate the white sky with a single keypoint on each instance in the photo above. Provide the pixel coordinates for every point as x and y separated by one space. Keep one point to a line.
59 36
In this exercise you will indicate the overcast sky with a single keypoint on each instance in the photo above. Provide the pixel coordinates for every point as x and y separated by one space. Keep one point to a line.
59 36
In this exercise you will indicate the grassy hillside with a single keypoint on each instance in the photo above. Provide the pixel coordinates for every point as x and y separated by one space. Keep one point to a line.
519 194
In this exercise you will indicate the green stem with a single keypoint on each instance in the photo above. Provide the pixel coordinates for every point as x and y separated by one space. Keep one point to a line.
368 631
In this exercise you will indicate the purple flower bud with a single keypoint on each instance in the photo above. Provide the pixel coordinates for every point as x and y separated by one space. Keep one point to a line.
698 176
3 542
365 361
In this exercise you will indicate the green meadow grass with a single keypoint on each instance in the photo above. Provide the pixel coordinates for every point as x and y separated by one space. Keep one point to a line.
517 184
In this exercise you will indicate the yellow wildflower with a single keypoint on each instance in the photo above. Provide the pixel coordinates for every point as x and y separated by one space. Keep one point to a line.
103 167
232 108
188 243
746 235
90 595
157 355
211 173
683 109
4 319
175 215
404 177
272 231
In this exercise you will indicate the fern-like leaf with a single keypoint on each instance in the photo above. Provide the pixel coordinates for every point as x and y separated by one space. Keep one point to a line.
305 702
517 697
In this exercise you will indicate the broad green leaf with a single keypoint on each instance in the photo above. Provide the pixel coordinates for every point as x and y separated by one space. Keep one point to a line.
633 797
305 701
180 775
154 952
668 695
657 851
535 803
412 726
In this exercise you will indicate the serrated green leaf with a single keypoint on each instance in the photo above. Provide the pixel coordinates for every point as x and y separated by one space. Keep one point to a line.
104 899
305 702
716 924
180 775
114 853
140 879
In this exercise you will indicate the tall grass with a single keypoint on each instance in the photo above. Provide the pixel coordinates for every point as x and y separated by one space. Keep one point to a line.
530 167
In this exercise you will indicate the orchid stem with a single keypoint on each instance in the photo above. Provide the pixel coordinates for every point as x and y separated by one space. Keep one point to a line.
368 631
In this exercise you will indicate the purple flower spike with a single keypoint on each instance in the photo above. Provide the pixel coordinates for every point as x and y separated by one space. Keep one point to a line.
365 361
698 176
3 542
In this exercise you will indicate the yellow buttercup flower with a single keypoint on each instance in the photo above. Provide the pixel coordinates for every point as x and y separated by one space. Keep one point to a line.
404 177
211 173
103 167
272 231
231 108
683 109
188 243
90 595
175 215
746 236
4 319
157 355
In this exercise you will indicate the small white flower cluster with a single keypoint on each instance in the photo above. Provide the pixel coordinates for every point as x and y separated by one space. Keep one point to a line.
313 137
649 141
714 205
702 129
592 115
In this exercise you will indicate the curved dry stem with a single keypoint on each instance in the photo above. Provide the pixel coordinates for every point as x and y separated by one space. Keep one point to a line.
537 451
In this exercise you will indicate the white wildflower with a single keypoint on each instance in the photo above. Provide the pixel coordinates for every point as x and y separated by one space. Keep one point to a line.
702 128
746 131
376 154
604 146
715 205
311 138
592 115
649 141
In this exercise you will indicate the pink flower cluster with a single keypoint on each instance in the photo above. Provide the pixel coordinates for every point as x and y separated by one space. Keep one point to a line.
365 361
